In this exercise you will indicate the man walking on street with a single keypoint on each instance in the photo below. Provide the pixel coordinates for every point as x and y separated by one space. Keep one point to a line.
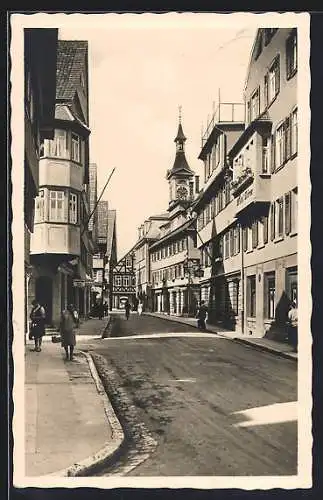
201 316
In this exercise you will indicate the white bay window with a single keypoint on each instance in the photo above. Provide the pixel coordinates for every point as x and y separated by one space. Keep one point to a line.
57 206
73 211
58 147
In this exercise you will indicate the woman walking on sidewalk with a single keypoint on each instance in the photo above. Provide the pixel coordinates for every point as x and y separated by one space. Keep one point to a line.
67 332
37 330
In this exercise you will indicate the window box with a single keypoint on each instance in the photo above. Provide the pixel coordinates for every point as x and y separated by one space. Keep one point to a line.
244 180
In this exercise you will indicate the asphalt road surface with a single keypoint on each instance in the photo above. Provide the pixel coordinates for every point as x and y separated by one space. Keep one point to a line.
215 407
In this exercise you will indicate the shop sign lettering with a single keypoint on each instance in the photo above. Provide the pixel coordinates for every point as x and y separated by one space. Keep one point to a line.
244 196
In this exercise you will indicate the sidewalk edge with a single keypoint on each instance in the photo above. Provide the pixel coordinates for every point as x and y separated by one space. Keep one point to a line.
266 348
88 465
236 339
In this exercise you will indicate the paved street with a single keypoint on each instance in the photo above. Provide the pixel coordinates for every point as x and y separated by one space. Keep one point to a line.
215 407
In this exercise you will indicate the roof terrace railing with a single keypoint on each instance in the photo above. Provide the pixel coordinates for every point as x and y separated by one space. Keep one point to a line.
226 112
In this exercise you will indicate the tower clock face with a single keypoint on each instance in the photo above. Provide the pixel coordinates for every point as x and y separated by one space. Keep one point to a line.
182 193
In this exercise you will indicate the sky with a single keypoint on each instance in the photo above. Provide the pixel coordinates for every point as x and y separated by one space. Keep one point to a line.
139 74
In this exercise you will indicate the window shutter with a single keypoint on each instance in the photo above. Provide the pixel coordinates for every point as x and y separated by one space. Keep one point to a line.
238 239
277 75
256 233
245 238
248 112
231 243
266 90
272 153
287 213
272 222
265 223
287 138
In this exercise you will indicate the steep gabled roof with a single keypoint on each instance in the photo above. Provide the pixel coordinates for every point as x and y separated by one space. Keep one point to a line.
71 55
181 165
112 214
180 134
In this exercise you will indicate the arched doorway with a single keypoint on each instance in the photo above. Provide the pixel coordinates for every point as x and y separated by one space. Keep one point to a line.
44 295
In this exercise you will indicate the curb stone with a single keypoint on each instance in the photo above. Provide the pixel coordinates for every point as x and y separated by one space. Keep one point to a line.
89 464
282 354
139 440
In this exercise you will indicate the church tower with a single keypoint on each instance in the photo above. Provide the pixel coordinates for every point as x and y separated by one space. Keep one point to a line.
180 177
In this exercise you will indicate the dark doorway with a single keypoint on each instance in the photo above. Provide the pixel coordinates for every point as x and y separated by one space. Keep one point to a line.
44 295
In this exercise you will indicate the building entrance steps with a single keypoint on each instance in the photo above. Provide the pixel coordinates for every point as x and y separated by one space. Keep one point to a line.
65 419
280 348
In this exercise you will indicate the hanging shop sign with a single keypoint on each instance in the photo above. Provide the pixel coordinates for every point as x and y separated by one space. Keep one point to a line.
79 283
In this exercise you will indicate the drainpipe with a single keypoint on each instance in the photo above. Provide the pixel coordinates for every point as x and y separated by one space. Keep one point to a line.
242 280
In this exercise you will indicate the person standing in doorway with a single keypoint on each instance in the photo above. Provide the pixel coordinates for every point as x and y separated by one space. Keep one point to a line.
293 325
201 316
127 308
37 328
67 326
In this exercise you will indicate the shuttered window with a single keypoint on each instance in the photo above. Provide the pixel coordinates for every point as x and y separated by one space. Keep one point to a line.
287 213
272 221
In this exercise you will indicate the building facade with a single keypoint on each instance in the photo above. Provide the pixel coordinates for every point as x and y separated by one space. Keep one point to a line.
39 113
216 226
61 246
124 282
252 259
148 233
174 257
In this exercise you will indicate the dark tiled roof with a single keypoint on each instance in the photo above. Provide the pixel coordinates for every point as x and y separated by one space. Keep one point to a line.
102 218
71 55
180 164
112 214
180 134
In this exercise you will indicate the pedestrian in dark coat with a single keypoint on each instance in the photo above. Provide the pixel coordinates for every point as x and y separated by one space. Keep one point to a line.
127 308
101 310
67 326
201 316
37 327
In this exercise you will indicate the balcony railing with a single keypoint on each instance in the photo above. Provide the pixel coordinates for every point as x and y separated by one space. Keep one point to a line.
226 112
245 178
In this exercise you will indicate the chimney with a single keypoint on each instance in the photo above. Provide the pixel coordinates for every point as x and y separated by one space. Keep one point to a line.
197 184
